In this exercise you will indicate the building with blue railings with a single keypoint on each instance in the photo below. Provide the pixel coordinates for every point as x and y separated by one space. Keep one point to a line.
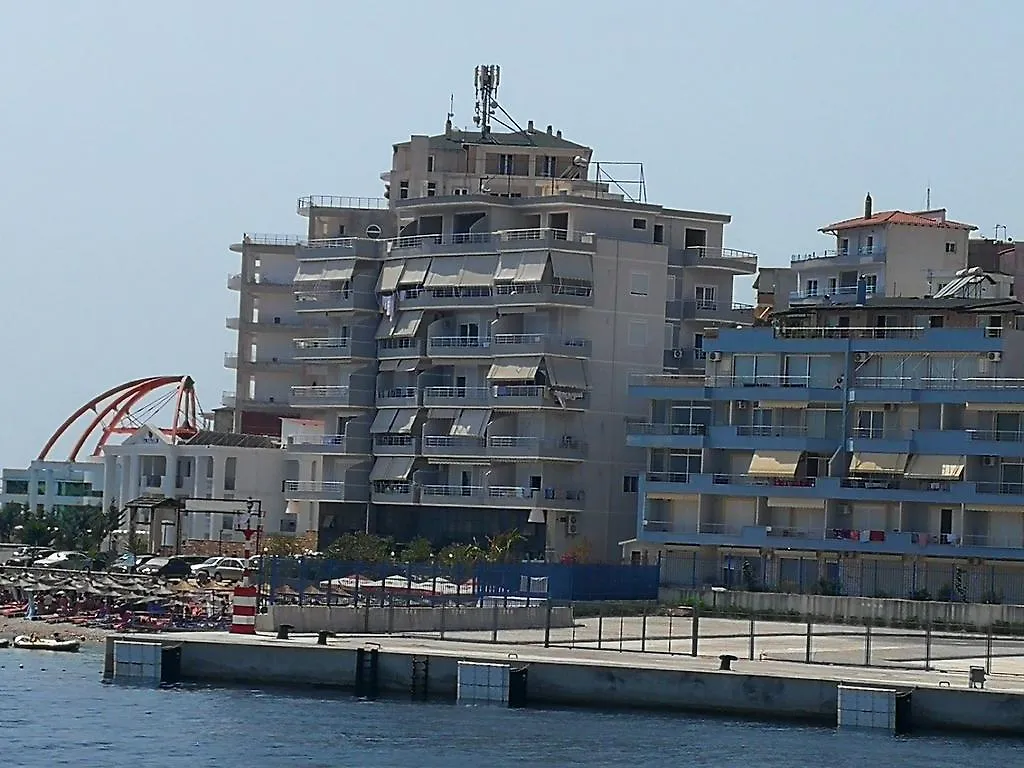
843 441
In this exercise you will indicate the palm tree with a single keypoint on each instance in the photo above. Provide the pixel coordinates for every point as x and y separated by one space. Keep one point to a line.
502 548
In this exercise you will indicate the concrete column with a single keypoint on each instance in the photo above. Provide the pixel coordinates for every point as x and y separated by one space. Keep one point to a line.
169 482
219 473
134 477
110 489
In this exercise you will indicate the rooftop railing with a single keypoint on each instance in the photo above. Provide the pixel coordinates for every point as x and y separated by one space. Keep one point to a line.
329 242
874 250
260 238
848 332
711 252
492 238
339 201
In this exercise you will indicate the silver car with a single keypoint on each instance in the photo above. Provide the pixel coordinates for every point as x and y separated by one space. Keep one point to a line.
219 569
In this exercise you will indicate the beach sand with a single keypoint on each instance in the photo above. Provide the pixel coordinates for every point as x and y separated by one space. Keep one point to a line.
11 628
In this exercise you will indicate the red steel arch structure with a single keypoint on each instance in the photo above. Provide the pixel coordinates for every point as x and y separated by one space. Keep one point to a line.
112 413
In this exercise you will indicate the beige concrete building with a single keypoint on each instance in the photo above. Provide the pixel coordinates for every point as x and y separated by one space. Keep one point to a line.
453 361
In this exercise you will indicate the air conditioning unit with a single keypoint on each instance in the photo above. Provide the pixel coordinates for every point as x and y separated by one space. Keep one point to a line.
995 357
571 526
860 357
677 354
715 357
741 405
988 461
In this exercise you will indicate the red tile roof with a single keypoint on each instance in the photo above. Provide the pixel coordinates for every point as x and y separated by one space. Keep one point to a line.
896 217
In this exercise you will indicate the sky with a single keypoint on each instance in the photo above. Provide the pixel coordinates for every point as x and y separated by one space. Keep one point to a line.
139 140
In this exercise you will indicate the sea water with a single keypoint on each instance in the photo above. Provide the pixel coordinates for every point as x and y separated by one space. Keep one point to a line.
55 711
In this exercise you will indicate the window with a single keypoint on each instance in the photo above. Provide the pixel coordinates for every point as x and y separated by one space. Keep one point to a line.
227 522
637 333
17 487
403 190
844 246
506 164
870 244
548 169
831 286
230 468
460 191
698 347
871 283
870 424
639 283
811 288
670 288
629 483
430 163
670 335
936 321
639 223
431 189
705 296
951 247
659 233
695 238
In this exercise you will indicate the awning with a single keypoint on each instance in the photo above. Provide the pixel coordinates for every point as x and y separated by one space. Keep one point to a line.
515 369
531 267
566 372
444 272
381 468
471 423
407 323
774 463
382 421
385 327
925 467
389 276
415 272
508 267
878 463
407 364
388 365
443 413
572 266
325 269
477 271
403 422
780 501
392 468
775 404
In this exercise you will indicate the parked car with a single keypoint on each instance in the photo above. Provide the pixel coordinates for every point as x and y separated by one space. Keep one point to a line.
28 555
220 569
165 568
65 559
128 563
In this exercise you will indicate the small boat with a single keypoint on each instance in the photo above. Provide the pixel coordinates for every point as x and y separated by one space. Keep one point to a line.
4 642
46 644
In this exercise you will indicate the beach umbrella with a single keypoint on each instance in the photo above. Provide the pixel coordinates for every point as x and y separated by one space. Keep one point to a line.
312 589
286 589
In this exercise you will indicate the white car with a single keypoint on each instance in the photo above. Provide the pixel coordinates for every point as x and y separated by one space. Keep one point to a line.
66 559
220 569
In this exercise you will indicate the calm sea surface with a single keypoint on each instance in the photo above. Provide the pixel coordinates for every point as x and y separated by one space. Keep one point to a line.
54 711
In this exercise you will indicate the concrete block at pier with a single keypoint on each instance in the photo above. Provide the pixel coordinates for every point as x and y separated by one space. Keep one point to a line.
861 707
137 662
378 621
483 683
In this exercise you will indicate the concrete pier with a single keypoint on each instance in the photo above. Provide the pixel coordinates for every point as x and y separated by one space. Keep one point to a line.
592 678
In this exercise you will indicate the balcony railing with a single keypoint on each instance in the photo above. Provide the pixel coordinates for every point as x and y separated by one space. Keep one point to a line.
875 251
502 495
904 382
338 201
690 430
330 443
259 238
491 239
328 490
320 395
331 346
497 396
667 379
766 380
398 396
880 433
1002 488
504 446
997 435
709 252
787 482
762 430
841 332
230 360
509 343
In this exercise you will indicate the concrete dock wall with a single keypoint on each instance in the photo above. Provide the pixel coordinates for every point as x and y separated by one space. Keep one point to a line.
388 620
878 611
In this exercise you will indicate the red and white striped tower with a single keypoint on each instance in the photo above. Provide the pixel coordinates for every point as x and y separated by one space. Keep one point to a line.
243 611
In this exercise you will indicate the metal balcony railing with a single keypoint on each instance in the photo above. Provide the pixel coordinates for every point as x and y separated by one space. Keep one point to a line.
904 382
307 202
839 332
689 430
709 252
259 238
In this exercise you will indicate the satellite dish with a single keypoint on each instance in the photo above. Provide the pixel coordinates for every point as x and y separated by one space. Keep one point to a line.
373 231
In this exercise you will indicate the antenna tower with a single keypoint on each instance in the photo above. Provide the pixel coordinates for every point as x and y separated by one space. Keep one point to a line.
486 79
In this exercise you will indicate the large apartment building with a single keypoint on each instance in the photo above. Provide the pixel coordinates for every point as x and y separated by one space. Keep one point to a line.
453 361
844 438
897 253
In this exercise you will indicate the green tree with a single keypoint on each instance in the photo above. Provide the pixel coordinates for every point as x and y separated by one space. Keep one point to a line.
282 546
502 548
11 516
361 548
418 551
461 554
34 529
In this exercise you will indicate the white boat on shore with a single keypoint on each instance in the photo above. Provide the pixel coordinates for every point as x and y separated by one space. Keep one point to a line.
26 642
4 642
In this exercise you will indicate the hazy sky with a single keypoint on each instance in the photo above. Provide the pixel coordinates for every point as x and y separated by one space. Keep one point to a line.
137 143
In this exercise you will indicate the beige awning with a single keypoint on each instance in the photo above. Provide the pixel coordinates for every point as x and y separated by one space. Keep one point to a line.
477 271
572 266
382 421
515 369
566 372
774 463
508 267
925 467
471 423
408 322
325 269
444 272
389 276
774 404
781 501
531 267
878 463
403 422
415 272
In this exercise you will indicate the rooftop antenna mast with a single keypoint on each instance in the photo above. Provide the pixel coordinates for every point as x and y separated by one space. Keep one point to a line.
486 79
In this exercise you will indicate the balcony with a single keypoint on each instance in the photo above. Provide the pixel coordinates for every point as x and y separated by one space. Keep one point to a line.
330 396
340 300
708 257
504 448
465 243
230 360
773 387
499 396
892 389
842 257
650 435
843 294
448 446
257 402
502 497
396 445
462 347
337 248
399 348
259 282
311 202
668 386
326 348
773 438
716 312
327 444
502 295
398 397
325 490
395 492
